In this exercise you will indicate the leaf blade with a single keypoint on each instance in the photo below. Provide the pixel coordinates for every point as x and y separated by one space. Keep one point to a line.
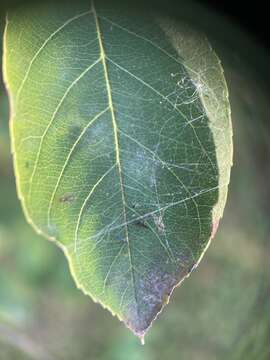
131 187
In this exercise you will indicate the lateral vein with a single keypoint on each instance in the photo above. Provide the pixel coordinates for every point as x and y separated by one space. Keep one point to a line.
43 46
84 204
51 121
68 158
168 101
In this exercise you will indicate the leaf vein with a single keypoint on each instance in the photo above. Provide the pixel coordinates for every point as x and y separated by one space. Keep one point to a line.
84 205
74 82
96 117
167 100
43 46
116 140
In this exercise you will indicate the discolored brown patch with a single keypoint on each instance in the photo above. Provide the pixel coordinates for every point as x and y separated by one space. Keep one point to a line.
214 228
67 198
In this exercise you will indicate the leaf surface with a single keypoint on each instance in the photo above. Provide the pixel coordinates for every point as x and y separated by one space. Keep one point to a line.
121 137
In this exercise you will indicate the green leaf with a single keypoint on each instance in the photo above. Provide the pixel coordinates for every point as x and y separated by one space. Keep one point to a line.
122 147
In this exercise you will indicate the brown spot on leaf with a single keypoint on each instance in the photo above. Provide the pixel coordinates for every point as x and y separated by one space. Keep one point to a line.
141 223
67 198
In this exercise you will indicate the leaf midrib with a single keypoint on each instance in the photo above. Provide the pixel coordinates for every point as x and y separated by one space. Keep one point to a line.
116 141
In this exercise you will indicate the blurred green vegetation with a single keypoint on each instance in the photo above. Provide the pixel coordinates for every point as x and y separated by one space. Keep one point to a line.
221 312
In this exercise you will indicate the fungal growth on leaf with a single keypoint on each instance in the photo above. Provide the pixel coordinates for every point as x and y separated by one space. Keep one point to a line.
123 120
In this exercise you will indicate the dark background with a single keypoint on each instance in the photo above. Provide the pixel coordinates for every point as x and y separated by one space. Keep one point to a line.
223 310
